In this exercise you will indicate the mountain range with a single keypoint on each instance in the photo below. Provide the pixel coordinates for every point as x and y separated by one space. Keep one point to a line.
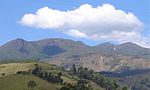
65 52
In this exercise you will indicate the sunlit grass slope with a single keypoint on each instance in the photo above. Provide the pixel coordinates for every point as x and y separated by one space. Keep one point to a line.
19 82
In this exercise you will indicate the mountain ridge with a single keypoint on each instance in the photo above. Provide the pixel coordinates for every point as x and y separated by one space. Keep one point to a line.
65 52
104 43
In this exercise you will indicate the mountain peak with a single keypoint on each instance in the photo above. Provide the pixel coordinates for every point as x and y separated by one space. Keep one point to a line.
19 40
14 42
105 44
130 44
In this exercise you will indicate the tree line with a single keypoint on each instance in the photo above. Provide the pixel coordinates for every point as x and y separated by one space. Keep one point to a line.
47 75
88 74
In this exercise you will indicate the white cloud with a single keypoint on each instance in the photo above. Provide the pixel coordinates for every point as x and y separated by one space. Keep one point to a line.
76 33
98 23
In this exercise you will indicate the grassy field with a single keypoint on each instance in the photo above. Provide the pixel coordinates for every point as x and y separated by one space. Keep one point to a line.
12 81
12 68
19 82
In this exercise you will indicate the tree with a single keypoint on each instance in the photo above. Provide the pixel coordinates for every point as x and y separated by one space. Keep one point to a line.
112 85
59 74
31 84
64 88
82 85
73 70
124 88
3 74
80 72
36 70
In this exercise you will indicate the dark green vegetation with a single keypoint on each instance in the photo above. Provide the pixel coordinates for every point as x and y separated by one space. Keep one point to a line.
136 79
42 76
31 84
137 82
87 74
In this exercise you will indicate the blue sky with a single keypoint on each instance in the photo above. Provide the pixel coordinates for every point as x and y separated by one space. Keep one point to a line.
13 11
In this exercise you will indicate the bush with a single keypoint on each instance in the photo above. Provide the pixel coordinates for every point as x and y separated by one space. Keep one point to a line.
23 72
31 84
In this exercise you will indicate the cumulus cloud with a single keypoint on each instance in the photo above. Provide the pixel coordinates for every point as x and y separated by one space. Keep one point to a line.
76 33
97 23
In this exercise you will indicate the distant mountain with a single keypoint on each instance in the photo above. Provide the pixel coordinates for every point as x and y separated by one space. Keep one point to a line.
132 49
65 52
46 48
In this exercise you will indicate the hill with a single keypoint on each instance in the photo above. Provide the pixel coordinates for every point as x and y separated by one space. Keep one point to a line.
10 80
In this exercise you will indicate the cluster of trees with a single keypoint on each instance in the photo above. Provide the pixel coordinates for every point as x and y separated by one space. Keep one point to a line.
85 73
47 75
80 85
